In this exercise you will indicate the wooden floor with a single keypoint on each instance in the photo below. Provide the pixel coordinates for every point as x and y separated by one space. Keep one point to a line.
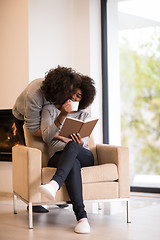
109 223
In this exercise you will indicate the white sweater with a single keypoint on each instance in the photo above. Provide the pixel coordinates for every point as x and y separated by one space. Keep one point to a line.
49 129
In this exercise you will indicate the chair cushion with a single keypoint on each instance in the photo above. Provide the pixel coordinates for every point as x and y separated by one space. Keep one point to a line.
100 173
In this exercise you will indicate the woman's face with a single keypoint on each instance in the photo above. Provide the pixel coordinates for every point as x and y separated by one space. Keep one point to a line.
77 96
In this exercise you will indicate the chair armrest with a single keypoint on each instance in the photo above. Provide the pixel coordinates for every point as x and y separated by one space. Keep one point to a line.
26 168
120 156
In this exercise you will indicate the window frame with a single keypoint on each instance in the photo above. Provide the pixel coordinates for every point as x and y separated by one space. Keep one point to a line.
105 90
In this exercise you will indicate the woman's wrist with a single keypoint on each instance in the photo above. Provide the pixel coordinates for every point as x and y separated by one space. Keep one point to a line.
61 117
59 121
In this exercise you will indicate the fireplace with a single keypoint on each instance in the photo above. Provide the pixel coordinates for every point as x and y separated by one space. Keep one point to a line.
8 135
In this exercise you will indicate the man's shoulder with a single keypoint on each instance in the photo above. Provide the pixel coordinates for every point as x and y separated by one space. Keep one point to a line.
35 84
34 88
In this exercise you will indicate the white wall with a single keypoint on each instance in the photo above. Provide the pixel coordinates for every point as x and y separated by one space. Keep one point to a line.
69 36
81 29
51 40
95 65
49 32
63 35
113 74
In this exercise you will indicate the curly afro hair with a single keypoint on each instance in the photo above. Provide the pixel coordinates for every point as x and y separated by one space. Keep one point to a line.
88 91
59 84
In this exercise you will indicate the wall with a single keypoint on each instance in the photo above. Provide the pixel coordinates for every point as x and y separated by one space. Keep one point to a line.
13 64
113 74
50 35
14 50
62 36
68 35
95 64
39 35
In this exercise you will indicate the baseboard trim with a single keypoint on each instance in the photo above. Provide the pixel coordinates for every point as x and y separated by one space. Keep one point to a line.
6 194
144 195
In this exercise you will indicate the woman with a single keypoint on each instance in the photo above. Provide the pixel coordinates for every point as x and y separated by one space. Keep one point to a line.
68 155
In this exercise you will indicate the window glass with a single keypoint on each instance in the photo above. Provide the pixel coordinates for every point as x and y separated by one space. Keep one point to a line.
139 52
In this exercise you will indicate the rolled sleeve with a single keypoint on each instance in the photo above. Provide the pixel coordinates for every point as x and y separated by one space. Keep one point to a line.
33 108
48 128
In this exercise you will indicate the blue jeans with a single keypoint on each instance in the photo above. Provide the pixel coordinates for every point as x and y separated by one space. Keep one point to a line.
69 163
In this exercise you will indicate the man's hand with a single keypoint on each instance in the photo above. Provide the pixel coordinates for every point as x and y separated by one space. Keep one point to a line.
38 133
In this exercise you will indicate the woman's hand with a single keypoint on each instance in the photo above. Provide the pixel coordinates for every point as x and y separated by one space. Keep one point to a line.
63 139
66 108
77 138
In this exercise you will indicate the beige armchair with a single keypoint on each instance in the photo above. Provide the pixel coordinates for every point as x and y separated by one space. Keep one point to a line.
107 180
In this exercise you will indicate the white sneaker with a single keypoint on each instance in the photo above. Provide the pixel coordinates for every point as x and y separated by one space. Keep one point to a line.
82 227
47 190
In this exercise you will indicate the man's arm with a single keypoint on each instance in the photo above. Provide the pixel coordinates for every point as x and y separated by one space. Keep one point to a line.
33 108
38 133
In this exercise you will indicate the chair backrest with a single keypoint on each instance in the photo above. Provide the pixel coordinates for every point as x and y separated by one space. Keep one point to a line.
37 142
92 147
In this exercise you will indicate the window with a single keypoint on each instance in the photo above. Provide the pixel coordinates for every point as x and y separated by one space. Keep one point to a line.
134 86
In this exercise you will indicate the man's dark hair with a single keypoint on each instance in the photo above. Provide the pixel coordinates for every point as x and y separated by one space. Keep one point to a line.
59 84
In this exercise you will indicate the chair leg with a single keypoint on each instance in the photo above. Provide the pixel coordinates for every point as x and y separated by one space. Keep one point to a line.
128 211
30 216
14 204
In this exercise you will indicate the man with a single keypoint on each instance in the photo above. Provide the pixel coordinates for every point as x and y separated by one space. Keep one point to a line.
28 106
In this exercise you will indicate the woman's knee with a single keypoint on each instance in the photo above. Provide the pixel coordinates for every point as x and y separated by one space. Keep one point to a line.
72 146
76 166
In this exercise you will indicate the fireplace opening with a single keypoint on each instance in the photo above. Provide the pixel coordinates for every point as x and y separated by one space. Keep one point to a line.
8 135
